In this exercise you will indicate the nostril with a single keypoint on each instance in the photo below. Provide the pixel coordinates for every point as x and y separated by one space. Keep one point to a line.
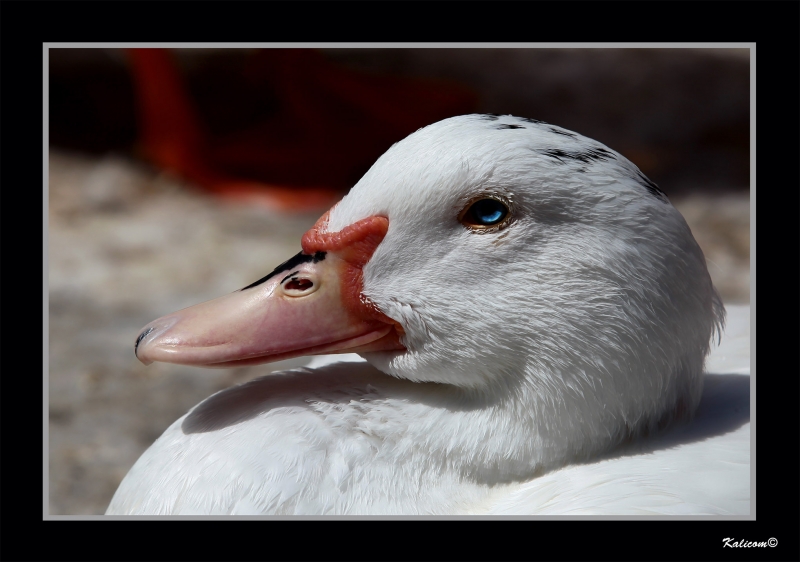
296 286
299 284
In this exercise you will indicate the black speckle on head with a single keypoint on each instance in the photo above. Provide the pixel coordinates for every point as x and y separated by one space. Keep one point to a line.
490 116
562 132
585 156
529 120
651 187
290 264
603 154
501 127
555 153
288 276
139 339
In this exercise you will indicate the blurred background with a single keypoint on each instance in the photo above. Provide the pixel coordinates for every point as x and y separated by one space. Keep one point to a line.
176 176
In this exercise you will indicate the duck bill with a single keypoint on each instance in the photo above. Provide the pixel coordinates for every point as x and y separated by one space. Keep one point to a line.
311 304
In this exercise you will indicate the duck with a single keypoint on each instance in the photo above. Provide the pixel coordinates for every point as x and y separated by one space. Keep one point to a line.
523 320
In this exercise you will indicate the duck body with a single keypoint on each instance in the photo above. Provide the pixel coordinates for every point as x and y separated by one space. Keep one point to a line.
360 442
524 299
701 467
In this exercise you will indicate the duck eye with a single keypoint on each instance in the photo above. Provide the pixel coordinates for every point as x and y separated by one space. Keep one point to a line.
485 214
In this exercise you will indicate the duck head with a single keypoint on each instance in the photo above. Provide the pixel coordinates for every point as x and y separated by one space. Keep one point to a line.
485 252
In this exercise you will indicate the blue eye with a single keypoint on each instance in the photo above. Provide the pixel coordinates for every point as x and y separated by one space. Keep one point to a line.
484 213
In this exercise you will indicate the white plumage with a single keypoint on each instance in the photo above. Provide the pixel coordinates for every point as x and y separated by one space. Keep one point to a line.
576 325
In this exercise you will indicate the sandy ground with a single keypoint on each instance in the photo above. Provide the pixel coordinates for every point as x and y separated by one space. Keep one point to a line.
127 245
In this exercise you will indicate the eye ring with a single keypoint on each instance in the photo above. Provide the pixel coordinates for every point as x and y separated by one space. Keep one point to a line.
486 213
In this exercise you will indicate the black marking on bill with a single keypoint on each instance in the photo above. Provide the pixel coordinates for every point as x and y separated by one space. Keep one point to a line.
534 121
491 116
563 132
290 264
139 340
586 156
288 276
510 127
651 187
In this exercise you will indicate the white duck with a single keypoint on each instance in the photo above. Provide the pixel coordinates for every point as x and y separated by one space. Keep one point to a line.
524 299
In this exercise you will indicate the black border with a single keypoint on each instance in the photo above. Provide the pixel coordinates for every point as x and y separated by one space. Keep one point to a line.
25 26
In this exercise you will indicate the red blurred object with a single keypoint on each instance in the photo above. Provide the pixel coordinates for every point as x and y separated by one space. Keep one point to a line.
328 126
